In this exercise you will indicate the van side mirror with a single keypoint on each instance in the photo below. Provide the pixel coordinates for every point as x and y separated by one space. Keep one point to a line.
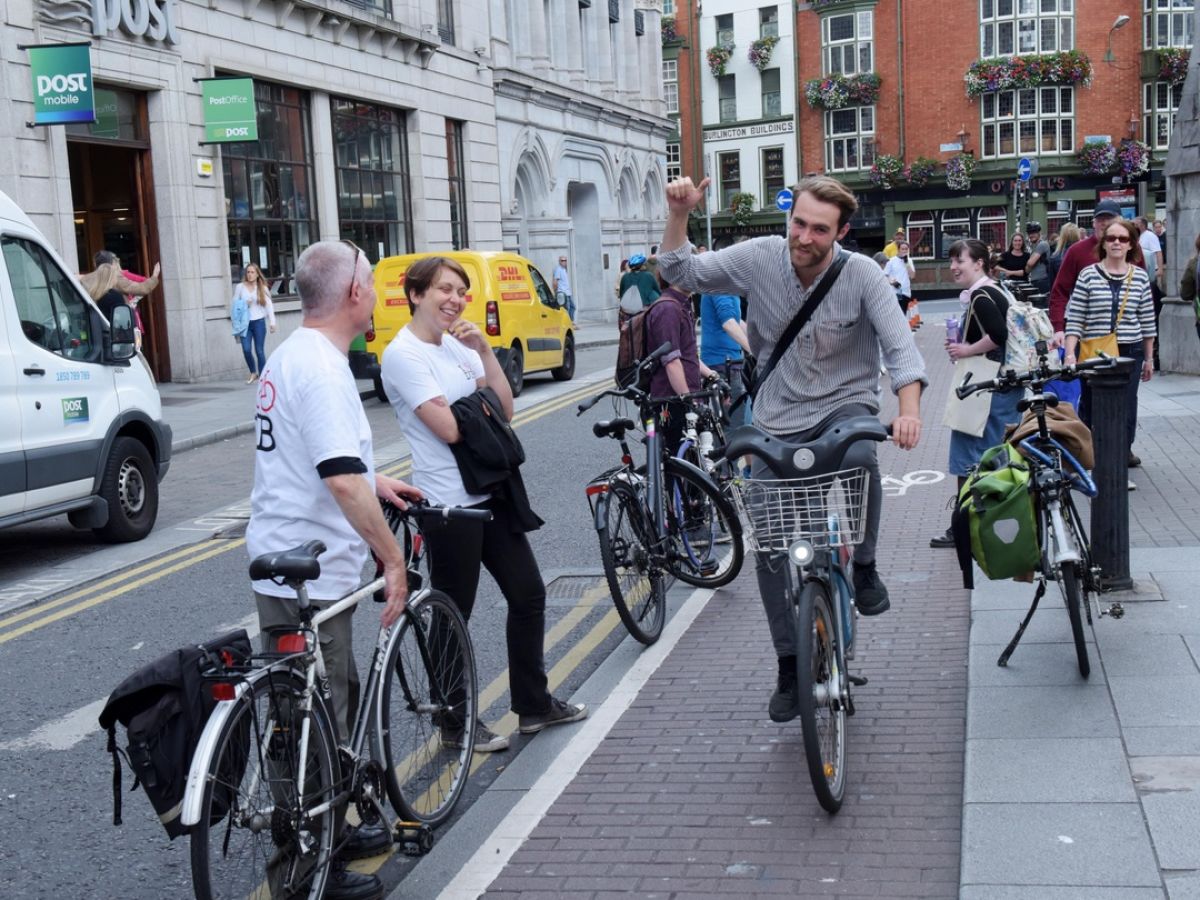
120 334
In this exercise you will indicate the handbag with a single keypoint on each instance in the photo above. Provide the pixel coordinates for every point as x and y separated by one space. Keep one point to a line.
1090 348
969 416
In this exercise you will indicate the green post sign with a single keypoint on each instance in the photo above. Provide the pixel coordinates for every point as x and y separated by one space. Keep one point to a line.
62 84
230 113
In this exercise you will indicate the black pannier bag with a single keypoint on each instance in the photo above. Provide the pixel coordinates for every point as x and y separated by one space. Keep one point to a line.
164 707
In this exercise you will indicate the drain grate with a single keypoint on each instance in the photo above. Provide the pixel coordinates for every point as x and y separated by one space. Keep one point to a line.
567 590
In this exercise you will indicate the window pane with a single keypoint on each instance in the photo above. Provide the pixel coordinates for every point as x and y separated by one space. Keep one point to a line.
989 141
989 40
864 58
1006 138
844 121
1004 38
1066 34
1049 35
989 106
1027 36
1049 136
1027 102
1028 137
867 117
1049 101
841 28
1005 101
1067 130
864 26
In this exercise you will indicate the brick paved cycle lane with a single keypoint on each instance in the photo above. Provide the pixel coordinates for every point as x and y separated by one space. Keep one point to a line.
695 792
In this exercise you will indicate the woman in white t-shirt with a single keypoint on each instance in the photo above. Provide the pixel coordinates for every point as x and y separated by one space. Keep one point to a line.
254 297
434 361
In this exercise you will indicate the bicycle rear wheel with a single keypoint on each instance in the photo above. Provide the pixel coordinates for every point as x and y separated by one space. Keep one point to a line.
427 710
706 534
255 837
633 577
822 713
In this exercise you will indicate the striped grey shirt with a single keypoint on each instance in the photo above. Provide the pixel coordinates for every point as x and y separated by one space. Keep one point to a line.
835 359
1092 307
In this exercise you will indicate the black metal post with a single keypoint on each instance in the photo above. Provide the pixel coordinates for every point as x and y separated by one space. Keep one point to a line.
1110 507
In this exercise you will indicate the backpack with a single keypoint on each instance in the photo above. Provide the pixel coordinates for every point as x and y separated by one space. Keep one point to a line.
164 707
632 349
1026 325
995 507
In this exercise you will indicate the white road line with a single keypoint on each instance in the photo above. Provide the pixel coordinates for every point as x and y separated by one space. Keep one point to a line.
494 853
67 731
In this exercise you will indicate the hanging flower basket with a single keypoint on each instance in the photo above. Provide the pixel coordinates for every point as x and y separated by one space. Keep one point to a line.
959 170
718 58
1173 64
885 174
1097 157
920 170
742 206
1070 67
1133 158
837 91
760 52
668 30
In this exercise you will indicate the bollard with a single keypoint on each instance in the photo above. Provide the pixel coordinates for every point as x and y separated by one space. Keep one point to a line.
1110 507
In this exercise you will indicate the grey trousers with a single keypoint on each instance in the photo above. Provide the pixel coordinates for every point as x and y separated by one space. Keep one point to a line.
771 568
337 649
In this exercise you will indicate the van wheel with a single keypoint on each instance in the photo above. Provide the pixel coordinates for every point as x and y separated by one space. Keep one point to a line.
515 369
380 393
130 488
566 371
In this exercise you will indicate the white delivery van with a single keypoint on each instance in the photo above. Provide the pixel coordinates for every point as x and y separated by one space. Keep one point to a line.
81 429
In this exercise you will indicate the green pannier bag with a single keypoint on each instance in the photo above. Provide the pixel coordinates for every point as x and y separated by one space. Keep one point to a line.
999 509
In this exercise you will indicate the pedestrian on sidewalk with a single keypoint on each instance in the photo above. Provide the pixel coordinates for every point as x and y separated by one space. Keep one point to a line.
830 373
251 305
637 282
434 361
899 272
982 331
109 286
562 287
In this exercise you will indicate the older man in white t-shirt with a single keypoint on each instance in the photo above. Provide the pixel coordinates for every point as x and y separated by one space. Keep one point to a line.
314 479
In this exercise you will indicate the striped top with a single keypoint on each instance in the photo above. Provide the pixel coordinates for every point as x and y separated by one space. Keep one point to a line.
1092 307
835 359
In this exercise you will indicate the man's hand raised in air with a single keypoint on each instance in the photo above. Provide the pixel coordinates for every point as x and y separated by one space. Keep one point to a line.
683 196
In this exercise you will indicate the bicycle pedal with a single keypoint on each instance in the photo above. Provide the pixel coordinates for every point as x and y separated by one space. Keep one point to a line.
414 838
708 567
857 680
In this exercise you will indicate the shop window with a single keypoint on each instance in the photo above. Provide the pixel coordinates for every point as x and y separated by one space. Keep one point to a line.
770 94
370 149
51 313
956 226
1054 223
849 138
270 199
1168 23
768 21
771 159
729 169
1033 121
847 45
670 76
674 168
1160 102
991 227
456 166
727 98
919 233
1026 26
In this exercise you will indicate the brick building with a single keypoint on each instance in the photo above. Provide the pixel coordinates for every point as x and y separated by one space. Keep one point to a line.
885 84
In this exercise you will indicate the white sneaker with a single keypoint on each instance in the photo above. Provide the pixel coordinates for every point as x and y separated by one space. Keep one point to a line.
1132 486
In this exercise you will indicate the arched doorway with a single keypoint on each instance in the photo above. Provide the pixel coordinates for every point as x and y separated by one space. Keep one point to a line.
587 274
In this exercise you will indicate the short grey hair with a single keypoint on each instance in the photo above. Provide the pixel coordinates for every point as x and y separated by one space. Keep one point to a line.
323 277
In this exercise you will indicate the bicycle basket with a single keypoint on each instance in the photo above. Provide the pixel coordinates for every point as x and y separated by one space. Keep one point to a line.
825 510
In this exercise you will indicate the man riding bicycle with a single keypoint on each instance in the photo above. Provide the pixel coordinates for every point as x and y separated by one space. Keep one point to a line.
830 372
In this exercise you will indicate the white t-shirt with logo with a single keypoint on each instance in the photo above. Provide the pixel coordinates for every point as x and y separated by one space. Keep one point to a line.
415 372
308 411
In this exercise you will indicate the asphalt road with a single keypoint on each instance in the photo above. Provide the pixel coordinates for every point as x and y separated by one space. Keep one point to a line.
59 659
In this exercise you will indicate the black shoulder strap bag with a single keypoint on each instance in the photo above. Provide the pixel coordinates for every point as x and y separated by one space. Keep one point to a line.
752 378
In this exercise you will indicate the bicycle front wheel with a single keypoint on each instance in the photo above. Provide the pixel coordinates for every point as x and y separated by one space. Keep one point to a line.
634 580
706 534
427 710
822 712
256 836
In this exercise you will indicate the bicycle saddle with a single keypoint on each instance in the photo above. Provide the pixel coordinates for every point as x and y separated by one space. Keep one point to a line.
818 457
615 428
298 564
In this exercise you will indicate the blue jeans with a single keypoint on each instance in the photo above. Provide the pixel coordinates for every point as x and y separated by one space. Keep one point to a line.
256 332
567 302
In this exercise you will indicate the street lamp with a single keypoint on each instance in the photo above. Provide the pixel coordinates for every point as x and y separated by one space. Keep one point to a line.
1120 22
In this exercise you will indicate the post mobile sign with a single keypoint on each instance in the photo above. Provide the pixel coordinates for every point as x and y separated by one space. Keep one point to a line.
62 83
230 113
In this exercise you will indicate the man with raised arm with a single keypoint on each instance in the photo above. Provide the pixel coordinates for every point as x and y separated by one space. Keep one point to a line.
829 373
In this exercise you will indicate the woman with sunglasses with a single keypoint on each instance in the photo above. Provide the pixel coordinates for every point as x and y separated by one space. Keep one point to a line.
1110 295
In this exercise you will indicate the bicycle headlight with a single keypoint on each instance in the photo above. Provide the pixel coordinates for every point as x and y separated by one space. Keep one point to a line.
801 553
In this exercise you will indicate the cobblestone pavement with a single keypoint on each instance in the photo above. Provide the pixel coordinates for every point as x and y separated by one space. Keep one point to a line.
695 792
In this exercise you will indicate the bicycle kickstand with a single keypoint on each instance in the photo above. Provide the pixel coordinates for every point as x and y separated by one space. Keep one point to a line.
1012 645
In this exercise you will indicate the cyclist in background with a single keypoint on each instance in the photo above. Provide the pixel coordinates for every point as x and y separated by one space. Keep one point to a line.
829 373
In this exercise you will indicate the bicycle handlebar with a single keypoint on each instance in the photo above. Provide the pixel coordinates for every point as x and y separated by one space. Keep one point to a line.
630 391
1011 379
423 509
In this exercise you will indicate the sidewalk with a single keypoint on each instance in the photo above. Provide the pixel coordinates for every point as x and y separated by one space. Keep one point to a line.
207 412
965 779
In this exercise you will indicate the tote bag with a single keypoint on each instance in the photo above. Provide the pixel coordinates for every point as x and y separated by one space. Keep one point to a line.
970 415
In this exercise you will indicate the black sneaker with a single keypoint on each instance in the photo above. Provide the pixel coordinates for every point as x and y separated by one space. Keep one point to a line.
346 885
943 540
870 593
366 841
486 740
1134 460
785 702
559 713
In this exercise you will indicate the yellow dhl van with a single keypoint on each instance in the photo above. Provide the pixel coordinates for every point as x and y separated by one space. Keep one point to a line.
508 299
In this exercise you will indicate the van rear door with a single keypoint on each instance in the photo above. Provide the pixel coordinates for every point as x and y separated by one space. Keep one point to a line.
12 456
65 394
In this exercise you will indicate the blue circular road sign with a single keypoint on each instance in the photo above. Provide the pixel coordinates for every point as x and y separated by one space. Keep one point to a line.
783 200
1025 168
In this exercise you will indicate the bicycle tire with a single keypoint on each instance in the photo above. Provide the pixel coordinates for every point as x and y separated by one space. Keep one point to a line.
822 714
634 581
1087 582
421 706
702 521
1068 583
252 809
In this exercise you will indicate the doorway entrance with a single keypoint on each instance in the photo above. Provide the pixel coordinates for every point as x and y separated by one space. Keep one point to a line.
112 193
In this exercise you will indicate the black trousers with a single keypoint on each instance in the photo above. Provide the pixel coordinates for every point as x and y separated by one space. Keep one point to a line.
457 551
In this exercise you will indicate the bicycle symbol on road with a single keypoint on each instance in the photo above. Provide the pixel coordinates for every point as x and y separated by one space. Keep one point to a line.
898 487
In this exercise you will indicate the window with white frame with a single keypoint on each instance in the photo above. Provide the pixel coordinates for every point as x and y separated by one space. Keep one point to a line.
674 167
918 228
668 7
1160 100
771 161
1168 23
770 93
1083 218
768 21
847 46
849 138
727 98
670 76
956 226
1026 26
729 171
1054 222
991 227
725 30
1033 120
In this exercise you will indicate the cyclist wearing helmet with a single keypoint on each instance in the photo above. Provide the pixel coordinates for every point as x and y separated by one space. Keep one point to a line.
638 277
